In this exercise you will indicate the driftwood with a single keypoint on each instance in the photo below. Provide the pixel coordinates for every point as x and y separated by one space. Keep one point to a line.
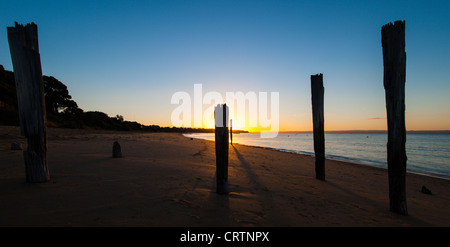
221 142
394 62
24 47
317 92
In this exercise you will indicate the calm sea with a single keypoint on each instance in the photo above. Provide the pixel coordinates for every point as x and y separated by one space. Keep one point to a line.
427 153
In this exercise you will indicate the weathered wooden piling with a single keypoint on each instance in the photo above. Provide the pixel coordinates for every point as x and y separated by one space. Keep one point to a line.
24 48
221 141
231 131
394 62
317 92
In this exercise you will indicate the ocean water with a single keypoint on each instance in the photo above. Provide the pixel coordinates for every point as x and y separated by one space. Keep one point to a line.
427 154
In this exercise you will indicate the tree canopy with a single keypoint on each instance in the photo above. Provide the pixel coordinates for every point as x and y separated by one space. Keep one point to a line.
57 97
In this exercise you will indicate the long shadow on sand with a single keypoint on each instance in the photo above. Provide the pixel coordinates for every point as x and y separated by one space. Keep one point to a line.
251 175
358 198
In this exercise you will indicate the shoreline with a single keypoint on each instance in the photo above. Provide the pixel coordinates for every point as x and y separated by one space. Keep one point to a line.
339 158
371 132
350 161
166 179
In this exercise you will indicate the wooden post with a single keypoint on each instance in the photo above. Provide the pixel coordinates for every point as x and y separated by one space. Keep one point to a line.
221 141
317 92
24 48
231 131
117 151
394 62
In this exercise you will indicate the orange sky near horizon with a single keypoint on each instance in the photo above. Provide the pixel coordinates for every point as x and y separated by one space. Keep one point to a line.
344 114
346 122
358 124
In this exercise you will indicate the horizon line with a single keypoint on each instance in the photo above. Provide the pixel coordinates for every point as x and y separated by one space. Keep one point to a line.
361 131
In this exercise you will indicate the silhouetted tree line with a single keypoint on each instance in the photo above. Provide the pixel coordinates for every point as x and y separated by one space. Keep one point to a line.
63 111
8 98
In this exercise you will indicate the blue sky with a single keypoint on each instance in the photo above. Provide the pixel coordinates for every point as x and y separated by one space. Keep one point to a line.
130 57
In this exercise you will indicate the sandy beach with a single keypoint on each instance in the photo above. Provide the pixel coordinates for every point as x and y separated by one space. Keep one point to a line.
166 179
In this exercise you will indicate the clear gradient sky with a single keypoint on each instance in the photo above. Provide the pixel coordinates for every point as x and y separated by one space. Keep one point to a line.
130 57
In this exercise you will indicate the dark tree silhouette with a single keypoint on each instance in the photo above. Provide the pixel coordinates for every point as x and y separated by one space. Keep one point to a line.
57 97
119 118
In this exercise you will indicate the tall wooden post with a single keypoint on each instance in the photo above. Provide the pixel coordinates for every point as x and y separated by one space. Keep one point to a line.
317 92
221 141
231 131
394 62
24 48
